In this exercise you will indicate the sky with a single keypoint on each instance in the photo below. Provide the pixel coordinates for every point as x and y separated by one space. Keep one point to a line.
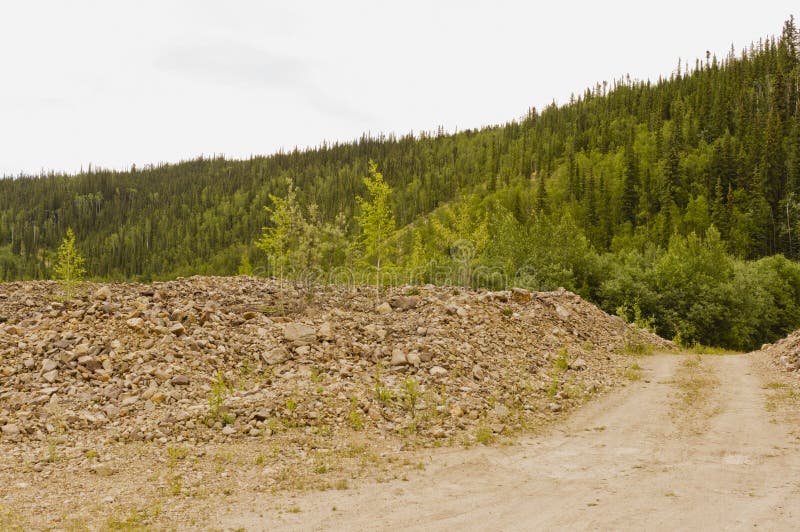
113 83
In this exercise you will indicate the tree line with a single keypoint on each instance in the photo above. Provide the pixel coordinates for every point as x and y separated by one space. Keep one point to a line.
598 195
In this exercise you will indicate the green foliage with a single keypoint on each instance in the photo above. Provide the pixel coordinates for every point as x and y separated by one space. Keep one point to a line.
69 265
411 393
216 399
376 220
675 201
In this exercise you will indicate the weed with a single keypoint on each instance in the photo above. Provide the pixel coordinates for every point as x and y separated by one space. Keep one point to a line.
174 486
176 453
484 435
411 394
508 312
219 391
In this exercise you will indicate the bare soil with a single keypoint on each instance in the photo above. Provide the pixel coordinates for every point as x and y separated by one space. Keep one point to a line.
698 443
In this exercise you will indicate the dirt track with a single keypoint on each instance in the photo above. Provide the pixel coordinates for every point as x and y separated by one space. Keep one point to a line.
703 446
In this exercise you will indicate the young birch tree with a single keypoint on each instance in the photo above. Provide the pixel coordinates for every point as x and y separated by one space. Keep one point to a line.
69 267
376 221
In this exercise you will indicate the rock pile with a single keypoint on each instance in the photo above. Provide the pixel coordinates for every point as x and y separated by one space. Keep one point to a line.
785 352
210 359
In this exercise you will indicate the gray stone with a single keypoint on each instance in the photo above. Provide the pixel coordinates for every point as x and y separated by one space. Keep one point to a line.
277 355
299 333
398 358
102 294
180 380
437 371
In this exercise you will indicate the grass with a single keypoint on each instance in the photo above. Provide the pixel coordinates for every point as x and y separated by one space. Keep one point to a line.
780 394
695 385
636 348
699 349
484 435
633 373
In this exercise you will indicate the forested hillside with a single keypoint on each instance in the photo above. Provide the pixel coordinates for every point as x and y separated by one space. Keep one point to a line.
657 199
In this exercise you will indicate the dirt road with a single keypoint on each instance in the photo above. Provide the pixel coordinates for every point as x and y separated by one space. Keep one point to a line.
695 444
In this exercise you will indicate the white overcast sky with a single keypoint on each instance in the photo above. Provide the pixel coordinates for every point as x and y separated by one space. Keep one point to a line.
113 83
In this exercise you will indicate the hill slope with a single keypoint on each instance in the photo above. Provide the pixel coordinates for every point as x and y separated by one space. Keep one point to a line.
589 196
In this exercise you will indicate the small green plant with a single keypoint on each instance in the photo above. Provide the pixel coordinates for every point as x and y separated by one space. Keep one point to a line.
561 364
633 314
508 312
69 265
91 455
355 416
174 485
411 394
294 509
484 435
291 405
219 391
382 393
52 451
176 453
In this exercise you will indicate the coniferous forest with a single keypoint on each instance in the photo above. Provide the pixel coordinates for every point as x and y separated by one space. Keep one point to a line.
673 202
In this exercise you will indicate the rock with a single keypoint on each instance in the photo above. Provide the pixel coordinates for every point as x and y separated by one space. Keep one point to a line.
302 350
90 362
102 294
111 411
398 358
374 413
413 359
477 372
437 371
49 365
325 331
261 415
562 312
501 410
228 430
10 430
384 308
177 329
277 355
404 302
455 310
180 380
578 364
497 428
103 470
555 407
520 295
299 334
135 323
50 376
